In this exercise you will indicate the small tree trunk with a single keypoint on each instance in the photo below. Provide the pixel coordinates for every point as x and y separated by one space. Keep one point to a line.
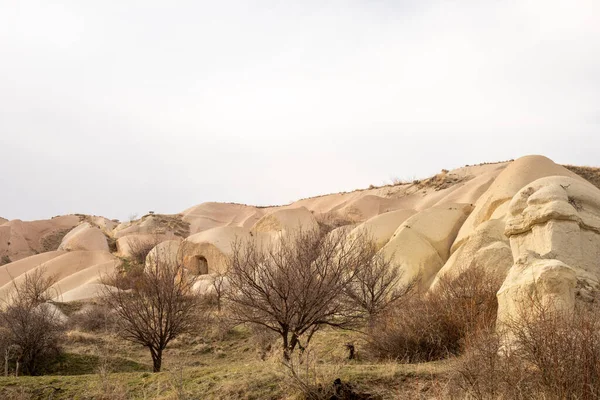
6 363
286 347
17 369
156 359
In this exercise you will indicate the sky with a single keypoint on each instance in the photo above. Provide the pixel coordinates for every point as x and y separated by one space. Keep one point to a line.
120 107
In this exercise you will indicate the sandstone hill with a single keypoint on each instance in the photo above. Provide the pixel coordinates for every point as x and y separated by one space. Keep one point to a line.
533 222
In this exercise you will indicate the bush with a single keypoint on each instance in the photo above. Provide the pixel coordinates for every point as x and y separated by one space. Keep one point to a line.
553 355
432 326
32 326
93 318
139 248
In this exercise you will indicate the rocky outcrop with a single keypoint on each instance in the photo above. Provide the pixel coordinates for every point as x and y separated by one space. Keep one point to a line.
84 237
494 203
553 225
487 248
421 245
163 253
287 219
21 239
382 227
534 284
206 252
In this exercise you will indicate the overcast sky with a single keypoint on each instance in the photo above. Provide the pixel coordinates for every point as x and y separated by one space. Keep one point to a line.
120 107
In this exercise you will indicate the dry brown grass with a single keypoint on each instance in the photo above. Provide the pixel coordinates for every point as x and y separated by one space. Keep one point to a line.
552 355
590 174
435 326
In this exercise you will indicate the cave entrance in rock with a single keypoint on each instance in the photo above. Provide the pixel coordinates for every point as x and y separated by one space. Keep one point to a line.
201 265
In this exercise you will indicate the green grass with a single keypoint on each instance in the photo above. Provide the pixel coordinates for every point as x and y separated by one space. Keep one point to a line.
204 368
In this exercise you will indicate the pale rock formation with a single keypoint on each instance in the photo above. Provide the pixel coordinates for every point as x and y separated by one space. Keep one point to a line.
21 239
213 215
421 245
554 230
487 248
89 276
84 237
206 252
60 264
286 219
3 220
154 224
493 204
381 227
85 291
206 284
164 252
125 243
368 206
534 283
17 268
106 225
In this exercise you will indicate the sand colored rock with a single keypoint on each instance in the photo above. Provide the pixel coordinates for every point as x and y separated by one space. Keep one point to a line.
106 225
17 268
84 237
154 224
212 215
206 252
425 224
126 243
164 252
84 292
3 220
558 217
487 247
382 227
286 219
60 264
89 276
513 178
534 281
368 206
21 239
421 245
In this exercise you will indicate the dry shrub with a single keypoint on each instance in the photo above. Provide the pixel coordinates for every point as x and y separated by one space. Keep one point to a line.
312 381
94 318
489 372
564 348
139 248
108 387
432 326
31 325
332 220
553 355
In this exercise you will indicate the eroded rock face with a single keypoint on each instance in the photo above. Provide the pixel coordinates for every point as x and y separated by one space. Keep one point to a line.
553 225
421 245
535 282
487 248
163 253
84 237
559 218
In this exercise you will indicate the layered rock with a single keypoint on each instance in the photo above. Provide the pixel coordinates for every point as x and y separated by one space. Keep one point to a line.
84 237
553 225
421 245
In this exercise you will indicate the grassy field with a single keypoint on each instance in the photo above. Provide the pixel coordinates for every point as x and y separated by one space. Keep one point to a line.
102 366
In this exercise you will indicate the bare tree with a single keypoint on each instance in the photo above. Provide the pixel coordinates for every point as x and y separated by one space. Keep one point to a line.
32 326
296 285
378 283
139 248
159 306
220 285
